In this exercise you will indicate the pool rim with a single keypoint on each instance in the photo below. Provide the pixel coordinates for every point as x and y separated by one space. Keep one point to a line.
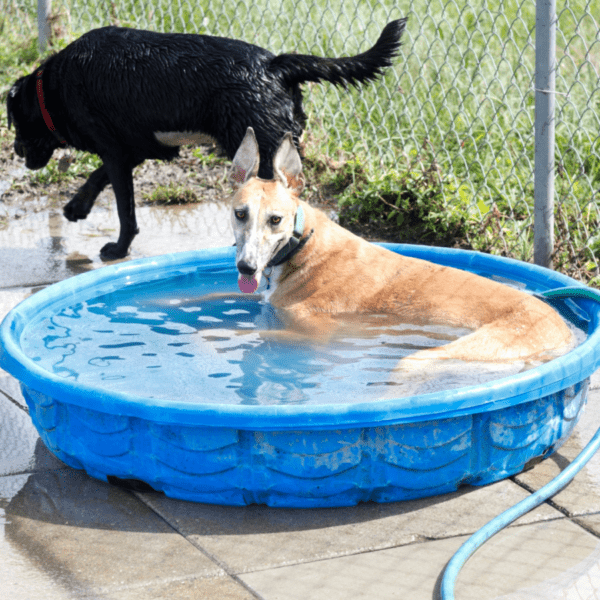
541 381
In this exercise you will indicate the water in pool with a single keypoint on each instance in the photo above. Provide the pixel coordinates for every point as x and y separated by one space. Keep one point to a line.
184 340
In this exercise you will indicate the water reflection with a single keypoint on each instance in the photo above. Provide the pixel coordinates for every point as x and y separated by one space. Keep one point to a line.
169 340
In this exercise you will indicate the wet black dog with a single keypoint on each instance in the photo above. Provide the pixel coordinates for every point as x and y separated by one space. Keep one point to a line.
128 95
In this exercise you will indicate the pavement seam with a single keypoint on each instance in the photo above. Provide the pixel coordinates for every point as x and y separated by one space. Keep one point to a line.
548 501
15 402
576 520
419 540
569 515
29 286
222 565
102 593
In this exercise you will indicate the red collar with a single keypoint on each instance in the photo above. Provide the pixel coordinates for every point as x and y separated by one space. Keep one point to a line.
45 113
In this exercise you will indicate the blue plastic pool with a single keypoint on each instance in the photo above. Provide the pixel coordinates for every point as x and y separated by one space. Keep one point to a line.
297 454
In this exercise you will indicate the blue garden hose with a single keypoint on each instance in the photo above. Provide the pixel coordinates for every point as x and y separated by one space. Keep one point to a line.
508 516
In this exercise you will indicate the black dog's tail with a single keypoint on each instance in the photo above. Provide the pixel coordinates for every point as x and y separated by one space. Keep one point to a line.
297 68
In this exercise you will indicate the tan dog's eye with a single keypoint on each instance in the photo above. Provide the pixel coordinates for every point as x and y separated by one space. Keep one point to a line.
275 220
240 215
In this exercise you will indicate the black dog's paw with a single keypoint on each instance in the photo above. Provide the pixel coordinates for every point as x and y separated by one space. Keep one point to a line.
113 251
78 208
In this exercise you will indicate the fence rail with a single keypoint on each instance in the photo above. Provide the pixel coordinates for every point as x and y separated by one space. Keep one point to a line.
461 97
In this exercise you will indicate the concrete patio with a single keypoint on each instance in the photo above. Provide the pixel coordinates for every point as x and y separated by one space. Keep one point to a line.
64 535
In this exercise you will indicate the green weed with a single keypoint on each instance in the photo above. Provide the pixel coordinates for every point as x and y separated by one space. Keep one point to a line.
76 163
212 158
171 194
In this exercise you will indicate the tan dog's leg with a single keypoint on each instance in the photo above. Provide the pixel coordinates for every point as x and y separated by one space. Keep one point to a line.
433 370
484 355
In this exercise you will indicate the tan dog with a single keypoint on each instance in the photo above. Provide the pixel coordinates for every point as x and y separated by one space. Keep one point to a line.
326 272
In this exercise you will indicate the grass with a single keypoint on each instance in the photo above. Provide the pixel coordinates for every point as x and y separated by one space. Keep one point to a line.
459 103
171 194
210 158
76 164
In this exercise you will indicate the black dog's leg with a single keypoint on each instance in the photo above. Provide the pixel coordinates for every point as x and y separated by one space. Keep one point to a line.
81 204
120 174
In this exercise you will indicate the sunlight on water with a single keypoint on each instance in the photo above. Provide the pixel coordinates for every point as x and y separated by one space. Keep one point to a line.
175 341
190 340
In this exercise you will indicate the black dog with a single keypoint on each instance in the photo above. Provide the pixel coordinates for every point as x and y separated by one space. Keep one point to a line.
128 95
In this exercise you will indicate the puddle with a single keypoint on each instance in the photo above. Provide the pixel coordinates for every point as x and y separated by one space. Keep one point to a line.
39 246
18 439
13 175
24 572
19 579
41 519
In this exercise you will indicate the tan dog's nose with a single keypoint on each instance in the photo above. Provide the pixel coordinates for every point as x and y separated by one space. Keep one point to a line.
245 269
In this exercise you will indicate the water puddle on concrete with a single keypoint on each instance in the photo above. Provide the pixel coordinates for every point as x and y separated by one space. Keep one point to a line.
21 454
39 246
19 579
14 175
48 518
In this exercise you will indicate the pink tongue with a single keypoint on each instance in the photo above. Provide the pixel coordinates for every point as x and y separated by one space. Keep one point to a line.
248 286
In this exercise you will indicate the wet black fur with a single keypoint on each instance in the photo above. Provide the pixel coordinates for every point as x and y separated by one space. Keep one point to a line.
108 91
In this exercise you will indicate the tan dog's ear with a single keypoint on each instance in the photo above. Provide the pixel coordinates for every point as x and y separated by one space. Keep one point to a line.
287 166
245 161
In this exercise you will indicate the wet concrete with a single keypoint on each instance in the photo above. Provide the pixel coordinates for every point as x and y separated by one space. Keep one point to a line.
39 246
65 536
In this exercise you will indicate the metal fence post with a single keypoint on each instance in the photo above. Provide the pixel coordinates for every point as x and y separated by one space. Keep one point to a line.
43 14
545 72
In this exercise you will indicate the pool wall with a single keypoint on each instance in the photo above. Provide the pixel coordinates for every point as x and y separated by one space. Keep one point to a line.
309 468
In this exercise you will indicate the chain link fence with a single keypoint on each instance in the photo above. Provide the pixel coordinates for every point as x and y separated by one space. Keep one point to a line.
459 103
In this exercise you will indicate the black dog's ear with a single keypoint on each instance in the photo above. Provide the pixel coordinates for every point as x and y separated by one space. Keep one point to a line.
245 161
287 165
14 100
10 101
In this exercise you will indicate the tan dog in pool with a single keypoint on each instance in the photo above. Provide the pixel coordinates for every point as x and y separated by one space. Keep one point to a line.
318 271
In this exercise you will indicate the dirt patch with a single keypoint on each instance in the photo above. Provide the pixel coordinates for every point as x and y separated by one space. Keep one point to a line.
19 191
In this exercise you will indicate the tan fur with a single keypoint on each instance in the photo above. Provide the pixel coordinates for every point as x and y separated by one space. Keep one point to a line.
337 272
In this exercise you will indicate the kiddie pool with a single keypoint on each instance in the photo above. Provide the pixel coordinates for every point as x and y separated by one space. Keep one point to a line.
314 455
